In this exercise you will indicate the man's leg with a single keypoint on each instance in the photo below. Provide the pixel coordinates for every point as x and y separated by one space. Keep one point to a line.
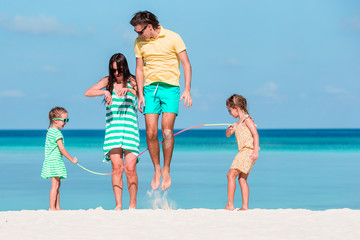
167 127
152 141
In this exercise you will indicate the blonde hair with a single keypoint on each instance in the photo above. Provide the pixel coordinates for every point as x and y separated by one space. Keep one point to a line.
237 100
55 113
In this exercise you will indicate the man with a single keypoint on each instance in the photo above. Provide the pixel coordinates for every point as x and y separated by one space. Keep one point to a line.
158 52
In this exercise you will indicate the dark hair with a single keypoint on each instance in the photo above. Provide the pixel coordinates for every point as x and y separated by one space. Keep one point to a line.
237 101
122 66
55 113
143 18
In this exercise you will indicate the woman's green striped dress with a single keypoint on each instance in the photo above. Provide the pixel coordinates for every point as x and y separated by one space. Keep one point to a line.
121 125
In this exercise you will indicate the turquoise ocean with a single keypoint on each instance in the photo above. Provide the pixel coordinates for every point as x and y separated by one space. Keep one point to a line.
315 169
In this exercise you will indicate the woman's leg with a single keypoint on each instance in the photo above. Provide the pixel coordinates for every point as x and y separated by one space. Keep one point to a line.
55 182
244 191
231 176
132 177
116 157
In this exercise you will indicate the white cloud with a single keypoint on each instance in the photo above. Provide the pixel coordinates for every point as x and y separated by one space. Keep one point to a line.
269 90
195 93
127 36
230 63
50 69
44 95
334 90
41 24
11 93
352 23
303 95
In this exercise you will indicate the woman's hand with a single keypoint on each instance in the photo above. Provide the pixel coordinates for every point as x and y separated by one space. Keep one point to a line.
108 97
122 91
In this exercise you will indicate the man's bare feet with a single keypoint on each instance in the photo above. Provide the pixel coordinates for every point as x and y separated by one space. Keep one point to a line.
166 180
155 183
118 207
229 207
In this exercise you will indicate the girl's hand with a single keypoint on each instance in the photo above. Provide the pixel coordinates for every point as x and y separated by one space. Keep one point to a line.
122 92
229 130
255 155
74 160
108 98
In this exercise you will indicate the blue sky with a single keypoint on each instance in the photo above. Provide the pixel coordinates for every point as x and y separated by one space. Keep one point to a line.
296 62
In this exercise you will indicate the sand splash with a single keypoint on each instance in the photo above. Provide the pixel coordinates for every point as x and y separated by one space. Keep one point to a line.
160 201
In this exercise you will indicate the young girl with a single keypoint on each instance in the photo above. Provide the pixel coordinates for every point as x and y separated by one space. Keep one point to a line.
122 134
247 139
53 166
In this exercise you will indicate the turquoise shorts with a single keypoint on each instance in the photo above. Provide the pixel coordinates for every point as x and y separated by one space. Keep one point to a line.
161 98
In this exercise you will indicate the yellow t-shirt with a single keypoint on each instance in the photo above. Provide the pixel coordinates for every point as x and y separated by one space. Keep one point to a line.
160 56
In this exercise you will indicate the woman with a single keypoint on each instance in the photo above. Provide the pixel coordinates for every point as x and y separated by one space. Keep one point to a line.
122 133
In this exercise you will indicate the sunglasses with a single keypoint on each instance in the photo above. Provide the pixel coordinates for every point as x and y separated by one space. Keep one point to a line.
142 31
113 71
65 120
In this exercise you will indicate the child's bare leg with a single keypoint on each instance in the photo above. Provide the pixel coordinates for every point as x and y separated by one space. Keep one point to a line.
244 191
57 205
116 155
55 182
231 176
132 177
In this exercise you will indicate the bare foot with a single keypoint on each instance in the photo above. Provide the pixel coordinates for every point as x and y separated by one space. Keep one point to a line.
229 207
155 183
243 209
52 209
166 181
118 207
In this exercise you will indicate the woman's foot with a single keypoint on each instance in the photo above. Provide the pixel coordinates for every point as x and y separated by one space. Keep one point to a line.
229 207
118 207
243 209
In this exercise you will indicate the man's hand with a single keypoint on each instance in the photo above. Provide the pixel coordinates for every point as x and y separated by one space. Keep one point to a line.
188 100
141 100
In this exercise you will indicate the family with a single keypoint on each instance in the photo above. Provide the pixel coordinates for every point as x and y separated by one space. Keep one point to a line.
154 90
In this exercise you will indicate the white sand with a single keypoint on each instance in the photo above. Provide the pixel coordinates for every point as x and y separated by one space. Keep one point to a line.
181 224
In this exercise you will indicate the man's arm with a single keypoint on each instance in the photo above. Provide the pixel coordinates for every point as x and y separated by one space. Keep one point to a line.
187 75
140 82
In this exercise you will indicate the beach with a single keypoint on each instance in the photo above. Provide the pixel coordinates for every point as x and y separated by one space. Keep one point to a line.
293 194
180 224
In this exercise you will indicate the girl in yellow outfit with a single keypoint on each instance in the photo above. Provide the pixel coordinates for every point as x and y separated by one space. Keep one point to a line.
247 139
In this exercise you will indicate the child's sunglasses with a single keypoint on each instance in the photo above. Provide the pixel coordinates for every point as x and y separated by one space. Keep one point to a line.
65 120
